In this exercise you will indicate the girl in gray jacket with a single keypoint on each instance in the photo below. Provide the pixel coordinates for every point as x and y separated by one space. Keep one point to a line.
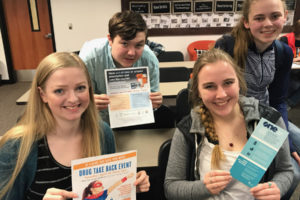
207 142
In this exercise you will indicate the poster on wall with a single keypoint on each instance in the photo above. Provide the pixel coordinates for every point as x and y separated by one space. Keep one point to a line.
181 14
182 7
140 7
175 21
203 6
162 7
222 6
206 20
290 4
165 21
239 5
289 19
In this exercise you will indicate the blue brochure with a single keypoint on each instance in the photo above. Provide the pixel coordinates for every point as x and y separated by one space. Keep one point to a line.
258 153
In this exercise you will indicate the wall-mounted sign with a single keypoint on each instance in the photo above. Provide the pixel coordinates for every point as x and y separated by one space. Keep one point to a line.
203 6
290 4
162 7
239 5
182 7
140 7
224 6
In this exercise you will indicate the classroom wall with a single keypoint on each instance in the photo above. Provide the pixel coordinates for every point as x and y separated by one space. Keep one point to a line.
90 20
3 65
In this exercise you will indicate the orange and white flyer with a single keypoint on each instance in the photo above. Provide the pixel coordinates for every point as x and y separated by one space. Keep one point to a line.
109 177
128 90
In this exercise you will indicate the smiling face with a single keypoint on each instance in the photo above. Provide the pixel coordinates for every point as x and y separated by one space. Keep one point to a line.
265 21
126 52
218 88
97 190
67 93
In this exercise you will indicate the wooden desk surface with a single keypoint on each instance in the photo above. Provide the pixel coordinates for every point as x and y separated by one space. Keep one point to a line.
296 65
167 89
146 141
23 99
172 88
188 64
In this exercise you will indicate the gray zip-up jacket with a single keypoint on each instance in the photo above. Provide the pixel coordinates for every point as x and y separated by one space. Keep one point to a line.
182 179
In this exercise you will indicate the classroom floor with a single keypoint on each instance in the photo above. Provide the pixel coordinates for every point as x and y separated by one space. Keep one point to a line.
10 112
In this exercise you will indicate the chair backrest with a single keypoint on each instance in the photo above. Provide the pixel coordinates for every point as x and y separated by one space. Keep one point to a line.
174 74
163 156
183 104
170 56
197 47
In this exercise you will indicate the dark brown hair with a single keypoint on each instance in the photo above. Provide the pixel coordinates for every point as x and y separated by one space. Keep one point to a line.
126 24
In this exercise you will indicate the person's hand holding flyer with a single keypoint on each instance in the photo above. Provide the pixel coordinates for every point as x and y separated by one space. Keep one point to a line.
105 177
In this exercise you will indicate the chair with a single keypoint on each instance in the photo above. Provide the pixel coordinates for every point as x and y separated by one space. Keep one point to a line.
196 48
183 104
170 56
163 156
174 74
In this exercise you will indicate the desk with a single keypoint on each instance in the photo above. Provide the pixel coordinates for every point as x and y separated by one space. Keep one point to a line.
188 64
146 141
167 89
172 88
296 66
23 99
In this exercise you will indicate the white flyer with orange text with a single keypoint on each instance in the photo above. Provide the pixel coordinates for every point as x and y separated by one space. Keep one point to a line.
108 177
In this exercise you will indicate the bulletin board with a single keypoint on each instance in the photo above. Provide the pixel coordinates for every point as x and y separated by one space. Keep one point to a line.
196 17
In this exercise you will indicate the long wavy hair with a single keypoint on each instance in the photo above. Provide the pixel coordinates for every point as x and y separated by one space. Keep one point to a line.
38 120
212 56
243 36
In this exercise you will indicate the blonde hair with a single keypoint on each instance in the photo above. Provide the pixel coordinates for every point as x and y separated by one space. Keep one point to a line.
212 56
243 36
38 120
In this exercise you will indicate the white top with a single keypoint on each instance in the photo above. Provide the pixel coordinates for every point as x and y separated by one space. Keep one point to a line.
235 189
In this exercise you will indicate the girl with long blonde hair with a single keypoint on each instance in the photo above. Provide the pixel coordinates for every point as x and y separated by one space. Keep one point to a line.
60 124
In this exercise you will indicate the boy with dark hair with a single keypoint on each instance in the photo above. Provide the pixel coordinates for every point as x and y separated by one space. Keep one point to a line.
123 47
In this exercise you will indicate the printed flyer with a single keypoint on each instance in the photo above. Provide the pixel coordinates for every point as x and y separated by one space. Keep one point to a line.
109 177
128 90
258 153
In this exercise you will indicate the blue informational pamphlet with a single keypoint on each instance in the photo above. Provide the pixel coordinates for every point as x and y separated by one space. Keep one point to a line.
258 153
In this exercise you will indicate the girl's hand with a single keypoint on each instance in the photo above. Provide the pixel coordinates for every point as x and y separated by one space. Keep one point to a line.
58 194
267 190
216 181
142 182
